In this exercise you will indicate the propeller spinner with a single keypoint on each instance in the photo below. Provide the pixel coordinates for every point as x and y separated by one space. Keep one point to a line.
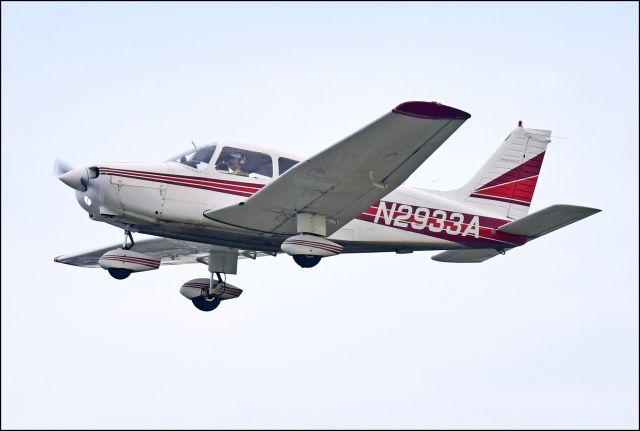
78 178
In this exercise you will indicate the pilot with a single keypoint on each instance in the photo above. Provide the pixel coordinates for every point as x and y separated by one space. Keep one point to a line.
236 162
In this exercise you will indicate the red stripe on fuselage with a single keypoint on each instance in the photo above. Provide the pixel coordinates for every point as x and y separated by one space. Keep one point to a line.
488 235
186 177
231 187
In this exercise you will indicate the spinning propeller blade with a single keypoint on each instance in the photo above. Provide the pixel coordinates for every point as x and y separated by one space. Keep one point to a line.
60 167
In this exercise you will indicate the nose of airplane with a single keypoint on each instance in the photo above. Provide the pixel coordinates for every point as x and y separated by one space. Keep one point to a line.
78 178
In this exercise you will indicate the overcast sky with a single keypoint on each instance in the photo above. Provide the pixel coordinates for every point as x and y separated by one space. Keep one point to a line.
544 337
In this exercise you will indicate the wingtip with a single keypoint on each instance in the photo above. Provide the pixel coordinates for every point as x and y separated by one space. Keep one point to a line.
430 110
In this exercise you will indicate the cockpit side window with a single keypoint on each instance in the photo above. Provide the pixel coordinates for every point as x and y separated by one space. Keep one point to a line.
252 164
285 164
197 158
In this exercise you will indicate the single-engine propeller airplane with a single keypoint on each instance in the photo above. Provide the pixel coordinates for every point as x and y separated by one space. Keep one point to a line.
218 202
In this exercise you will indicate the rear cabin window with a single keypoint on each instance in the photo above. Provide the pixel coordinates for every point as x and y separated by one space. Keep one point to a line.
244 163
285 164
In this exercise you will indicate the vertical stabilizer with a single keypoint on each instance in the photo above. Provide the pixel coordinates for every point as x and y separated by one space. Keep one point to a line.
506 182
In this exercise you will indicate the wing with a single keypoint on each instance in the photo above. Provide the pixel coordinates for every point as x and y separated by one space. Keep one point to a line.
345 179
168 251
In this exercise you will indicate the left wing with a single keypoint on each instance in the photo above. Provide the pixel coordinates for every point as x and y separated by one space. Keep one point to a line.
346 178
168 251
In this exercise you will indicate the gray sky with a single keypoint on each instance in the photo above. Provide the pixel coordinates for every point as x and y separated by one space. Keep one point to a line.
544 337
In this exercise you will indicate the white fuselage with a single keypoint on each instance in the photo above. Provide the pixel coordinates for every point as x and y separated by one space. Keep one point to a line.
168 199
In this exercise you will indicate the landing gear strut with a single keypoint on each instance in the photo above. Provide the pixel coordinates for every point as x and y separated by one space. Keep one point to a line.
121 273
127 233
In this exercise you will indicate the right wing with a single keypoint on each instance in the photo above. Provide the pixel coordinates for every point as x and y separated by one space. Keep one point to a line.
346 178
168 251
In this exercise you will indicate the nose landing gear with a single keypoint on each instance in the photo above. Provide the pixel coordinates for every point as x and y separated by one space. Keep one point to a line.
206 295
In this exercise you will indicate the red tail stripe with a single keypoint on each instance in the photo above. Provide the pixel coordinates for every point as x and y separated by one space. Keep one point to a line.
521 190
495 198
509 183
526 169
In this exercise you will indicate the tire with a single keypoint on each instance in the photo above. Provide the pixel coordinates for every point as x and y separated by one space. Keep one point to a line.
306 261
119 273
202 304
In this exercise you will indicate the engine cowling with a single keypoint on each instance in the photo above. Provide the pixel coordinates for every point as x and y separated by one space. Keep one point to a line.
121 259
310 245
194 288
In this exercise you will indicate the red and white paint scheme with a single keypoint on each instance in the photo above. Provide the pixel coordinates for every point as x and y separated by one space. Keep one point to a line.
219 202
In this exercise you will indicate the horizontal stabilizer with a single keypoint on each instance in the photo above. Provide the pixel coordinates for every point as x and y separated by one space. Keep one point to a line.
547 220
466 256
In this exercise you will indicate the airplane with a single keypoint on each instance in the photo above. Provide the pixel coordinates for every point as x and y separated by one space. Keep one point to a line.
216 203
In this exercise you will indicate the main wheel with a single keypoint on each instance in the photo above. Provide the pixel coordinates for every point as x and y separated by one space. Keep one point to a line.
306 261
119 273
205 304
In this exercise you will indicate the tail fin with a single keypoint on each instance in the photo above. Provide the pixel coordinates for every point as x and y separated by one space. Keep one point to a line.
506 182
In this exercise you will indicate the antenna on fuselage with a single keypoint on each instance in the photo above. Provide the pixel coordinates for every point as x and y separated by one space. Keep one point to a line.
194 145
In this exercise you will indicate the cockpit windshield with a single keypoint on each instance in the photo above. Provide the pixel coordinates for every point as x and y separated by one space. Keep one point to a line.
197 158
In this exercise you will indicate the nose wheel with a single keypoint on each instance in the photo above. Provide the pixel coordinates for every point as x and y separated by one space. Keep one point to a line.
204 303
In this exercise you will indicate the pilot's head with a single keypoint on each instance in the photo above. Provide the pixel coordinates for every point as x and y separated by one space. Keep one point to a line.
236 160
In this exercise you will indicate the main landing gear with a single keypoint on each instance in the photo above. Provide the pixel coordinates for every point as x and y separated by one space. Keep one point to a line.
122 273
306 261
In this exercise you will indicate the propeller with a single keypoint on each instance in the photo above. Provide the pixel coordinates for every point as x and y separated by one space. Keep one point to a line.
76 178
60 167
